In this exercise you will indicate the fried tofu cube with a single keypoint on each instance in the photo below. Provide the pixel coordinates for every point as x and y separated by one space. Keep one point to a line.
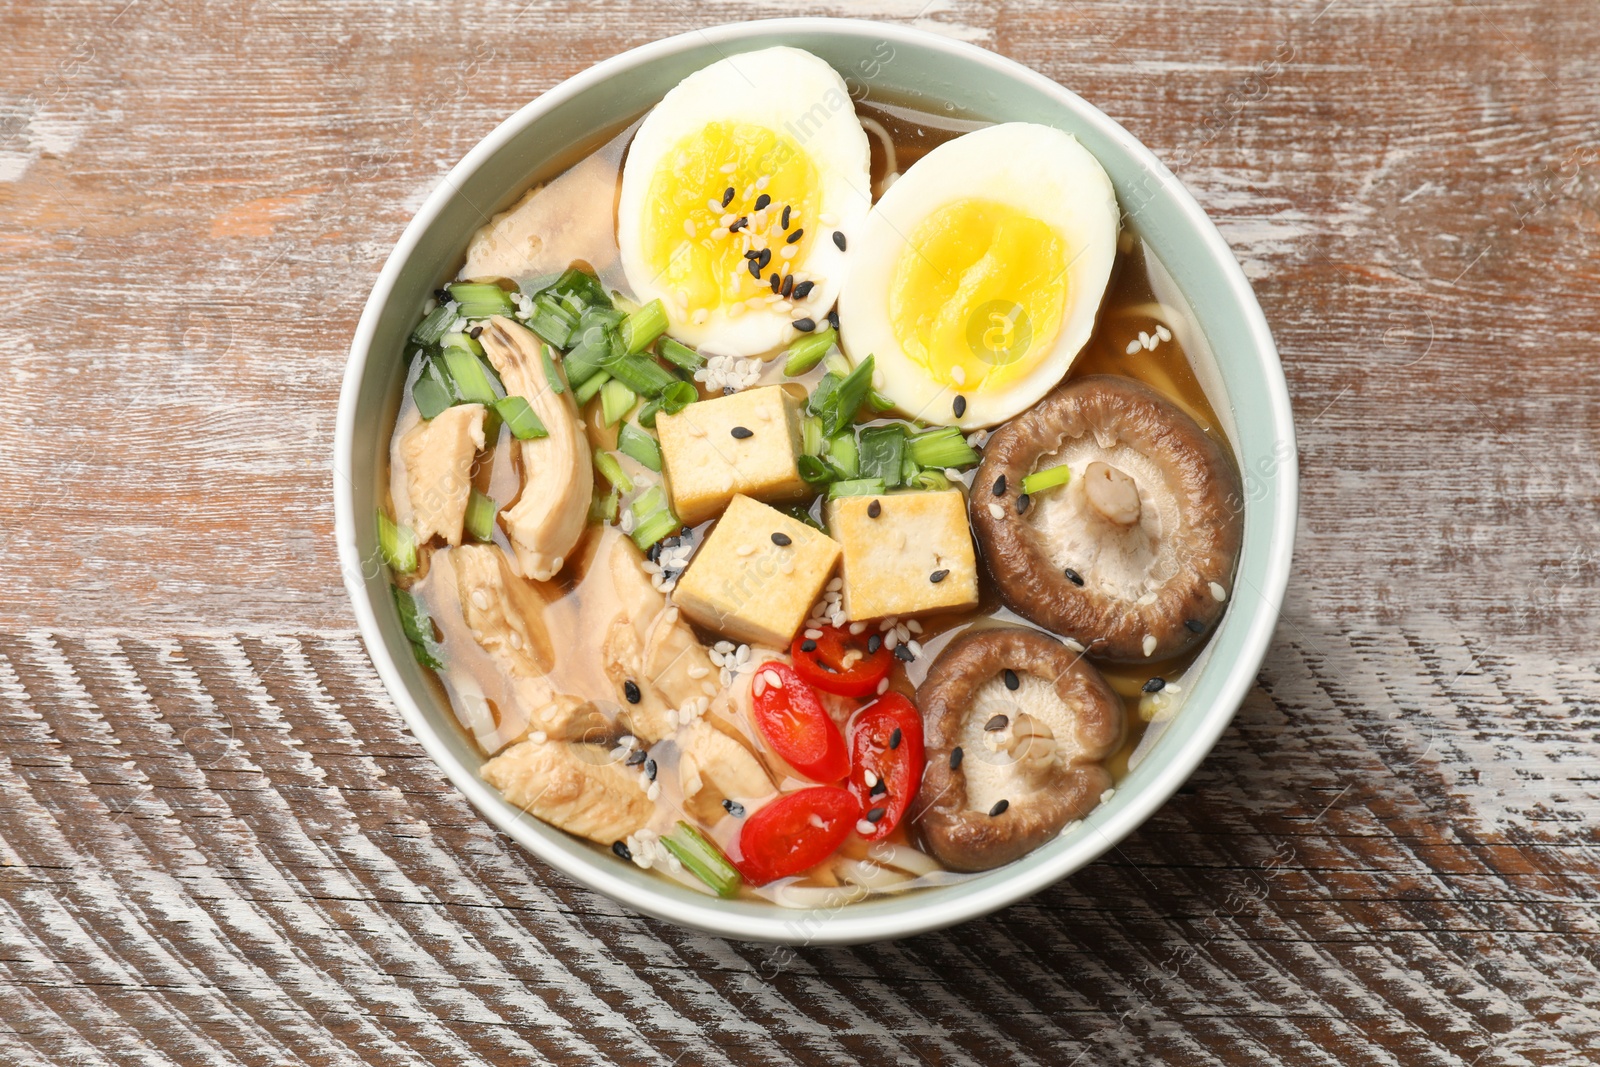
757 575
746 443
905 553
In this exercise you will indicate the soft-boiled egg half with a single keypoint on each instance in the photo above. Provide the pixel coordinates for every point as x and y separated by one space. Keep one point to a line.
979 273
741 192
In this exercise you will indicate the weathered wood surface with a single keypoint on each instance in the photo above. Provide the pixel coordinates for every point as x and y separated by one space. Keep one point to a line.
218 845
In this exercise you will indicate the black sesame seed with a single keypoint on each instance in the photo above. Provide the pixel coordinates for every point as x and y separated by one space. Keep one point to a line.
838 239
805 325
728 390
903 654
874 509
787 287
874 643
755 269
1000 486
636 757
998 722
1194 626
794 235
442 295
833 318
764 257
734 808
475 332
938 576
739 223
762 201
1022 503
808 645
1000 807
742 432
955 757
959 406
894 738
775 281
752 254
630 689
622 850
727 196
1073 576
782 540
803 289
875 814
650 769
1012 681
878 790
1154 685
654 554
784 221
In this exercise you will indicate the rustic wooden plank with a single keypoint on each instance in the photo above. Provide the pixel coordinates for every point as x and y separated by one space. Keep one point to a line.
219 845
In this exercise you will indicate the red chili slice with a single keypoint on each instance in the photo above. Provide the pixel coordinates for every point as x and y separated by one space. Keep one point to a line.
794 723
886 739
796 832
823 664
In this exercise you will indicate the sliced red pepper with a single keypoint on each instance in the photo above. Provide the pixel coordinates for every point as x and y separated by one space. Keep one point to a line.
796 832
822 662
794 723
886 739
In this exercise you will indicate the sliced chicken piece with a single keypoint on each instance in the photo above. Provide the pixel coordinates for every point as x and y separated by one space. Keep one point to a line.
553 226
505 615
548 518
713 767
437 455
578 787
652 648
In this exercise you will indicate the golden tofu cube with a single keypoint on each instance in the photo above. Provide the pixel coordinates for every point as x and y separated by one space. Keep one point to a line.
757 575
913 556
746 443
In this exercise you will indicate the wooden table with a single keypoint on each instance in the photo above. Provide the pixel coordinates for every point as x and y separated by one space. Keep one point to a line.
218 845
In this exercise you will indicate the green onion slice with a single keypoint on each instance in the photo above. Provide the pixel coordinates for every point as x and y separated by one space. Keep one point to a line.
1047 478
680 355
644 326
942 447
807 351
585 391
397 544
703 859
471 380
524 421
616 400
856 487
634 442
612 471
479 521
418 627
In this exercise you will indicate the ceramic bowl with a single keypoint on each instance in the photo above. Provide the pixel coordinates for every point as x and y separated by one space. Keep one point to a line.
1236 359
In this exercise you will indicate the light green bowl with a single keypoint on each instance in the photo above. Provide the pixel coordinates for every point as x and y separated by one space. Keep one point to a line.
1236 357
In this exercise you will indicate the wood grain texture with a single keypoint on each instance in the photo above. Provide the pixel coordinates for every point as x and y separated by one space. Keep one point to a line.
219 846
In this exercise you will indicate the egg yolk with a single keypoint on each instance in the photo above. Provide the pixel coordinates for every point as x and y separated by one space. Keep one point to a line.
977 295
696 238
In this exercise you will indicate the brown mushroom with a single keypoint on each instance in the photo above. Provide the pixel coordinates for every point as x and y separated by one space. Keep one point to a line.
1016 728
1134 556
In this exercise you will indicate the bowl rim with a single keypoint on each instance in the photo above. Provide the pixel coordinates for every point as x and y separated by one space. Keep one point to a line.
927 909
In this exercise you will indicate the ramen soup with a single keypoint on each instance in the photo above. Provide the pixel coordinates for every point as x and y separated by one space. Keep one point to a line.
809 499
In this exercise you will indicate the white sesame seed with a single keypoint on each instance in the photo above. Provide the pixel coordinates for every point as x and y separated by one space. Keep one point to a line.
708 689
759 686
539 737
914 626
858 628
916 647
688 227
1107 795
813 633
1163 333
957 375
1218 593
835 584
746 550
698 672
1144 340
1149 644
864 828
728 168
883 686
480 599
891 639
870 778
715 206
1073 645
773 678
1133 346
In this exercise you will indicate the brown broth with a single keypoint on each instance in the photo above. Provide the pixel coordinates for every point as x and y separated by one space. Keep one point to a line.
581 606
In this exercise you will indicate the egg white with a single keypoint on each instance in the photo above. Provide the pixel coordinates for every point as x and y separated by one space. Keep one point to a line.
795 94
1038 170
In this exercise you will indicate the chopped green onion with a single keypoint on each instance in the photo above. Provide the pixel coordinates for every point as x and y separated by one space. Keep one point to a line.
677 396
634 442
552 376
616 400
807 351
397 544
811 435
431 391
703 859
653 528
837 364
642 374
552 322
612 472
846 398
603 505
644 326
942 447
816 471
648 502
856 487
519 415
908 470
479 301
532 287
1048 478
679 355
418 627
579 290
877 401
883 451
844 455
479 522
461 340
595 346
431 328
931 480
585 391
471 380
